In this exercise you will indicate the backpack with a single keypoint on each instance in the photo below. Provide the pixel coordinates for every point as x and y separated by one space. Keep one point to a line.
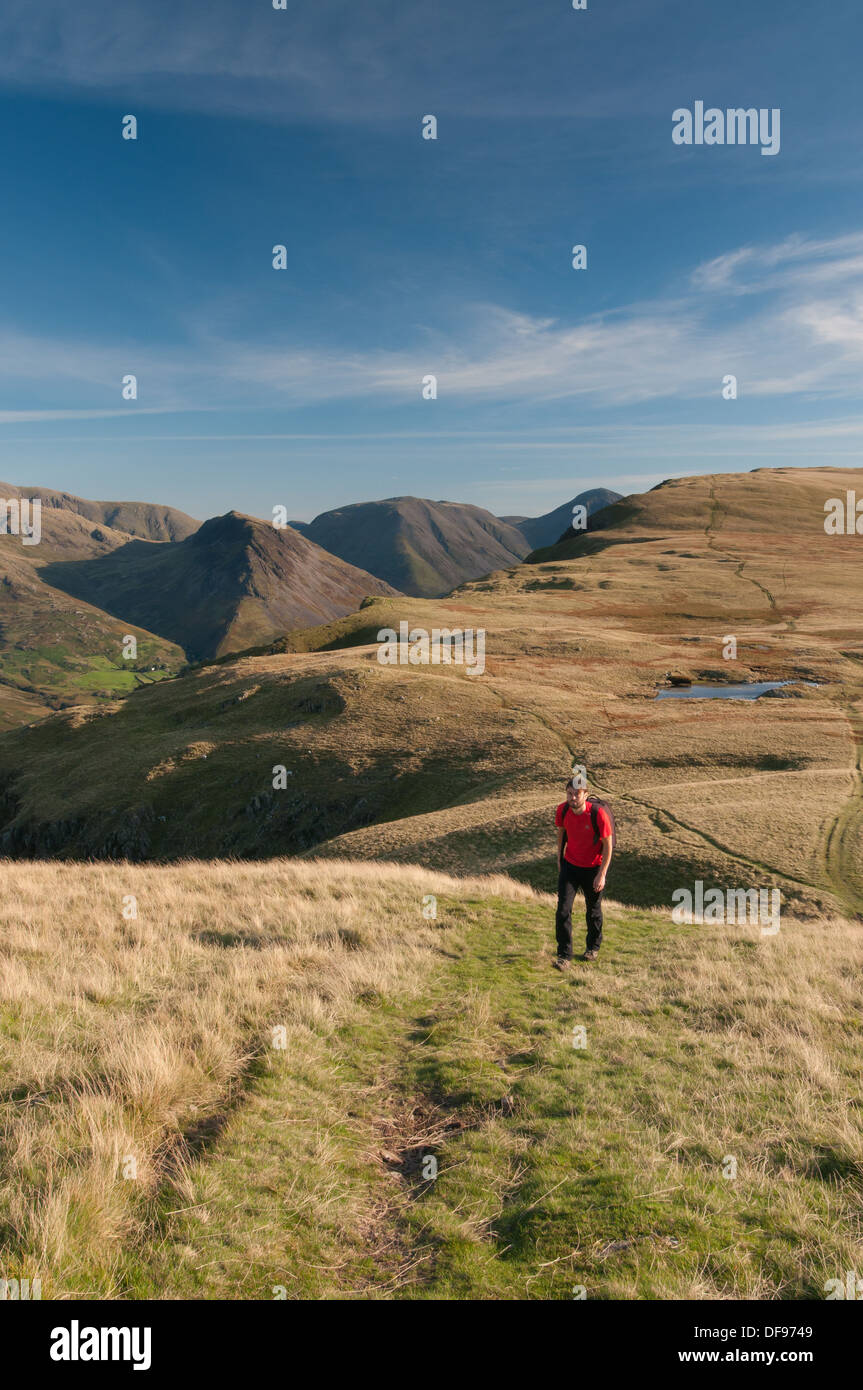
594 802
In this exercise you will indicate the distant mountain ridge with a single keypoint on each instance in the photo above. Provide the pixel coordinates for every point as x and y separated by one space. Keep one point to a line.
546 529
427 548
204 590
146 520
234 582
416 763
423 548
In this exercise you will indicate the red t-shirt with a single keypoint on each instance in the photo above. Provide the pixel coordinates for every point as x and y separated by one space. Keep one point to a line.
581 849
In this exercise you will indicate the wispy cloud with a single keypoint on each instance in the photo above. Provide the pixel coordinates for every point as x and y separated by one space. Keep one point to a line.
802 333
331 59
828 438
30 417
756 269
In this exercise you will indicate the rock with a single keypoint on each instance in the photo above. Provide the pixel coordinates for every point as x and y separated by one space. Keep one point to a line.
784 692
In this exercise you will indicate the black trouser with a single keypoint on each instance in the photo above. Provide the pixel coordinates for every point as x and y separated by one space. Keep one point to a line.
572 877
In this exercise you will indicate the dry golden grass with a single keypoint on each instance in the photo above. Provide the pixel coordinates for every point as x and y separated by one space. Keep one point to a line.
152 1040
131 1039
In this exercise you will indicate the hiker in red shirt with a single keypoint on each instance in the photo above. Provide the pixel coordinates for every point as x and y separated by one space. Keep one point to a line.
585 839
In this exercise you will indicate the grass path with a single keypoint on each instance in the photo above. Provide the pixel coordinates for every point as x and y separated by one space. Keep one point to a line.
841 845
714 525
843 841
600 1167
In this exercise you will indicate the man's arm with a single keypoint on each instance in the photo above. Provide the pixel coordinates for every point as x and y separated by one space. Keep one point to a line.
599 881
560 833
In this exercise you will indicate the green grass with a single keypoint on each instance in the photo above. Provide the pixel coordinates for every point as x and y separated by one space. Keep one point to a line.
560 1168
64 671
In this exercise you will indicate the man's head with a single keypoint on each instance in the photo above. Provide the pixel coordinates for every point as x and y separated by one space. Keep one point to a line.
576 793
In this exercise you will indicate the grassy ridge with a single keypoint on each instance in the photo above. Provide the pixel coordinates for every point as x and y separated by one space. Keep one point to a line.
559 1169
300 1169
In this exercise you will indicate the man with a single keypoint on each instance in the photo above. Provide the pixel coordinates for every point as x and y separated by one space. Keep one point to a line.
582 863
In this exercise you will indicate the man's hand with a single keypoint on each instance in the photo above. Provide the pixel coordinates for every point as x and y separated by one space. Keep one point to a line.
602 868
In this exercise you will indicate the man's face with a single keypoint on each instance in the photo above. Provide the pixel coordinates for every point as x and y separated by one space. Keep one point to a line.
576 797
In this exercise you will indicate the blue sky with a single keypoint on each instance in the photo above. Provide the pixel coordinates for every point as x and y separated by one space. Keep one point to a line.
408 257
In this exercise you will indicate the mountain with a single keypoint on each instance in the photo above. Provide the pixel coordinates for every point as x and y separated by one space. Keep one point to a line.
146 520
421 547
56 650
432 766
233 583
767 507
546 529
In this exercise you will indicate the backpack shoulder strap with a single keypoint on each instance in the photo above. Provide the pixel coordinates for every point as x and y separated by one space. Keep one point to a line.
594 819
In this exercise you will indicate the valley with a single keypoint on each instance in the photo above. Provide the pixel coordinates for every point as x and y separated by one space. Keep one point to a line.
433 764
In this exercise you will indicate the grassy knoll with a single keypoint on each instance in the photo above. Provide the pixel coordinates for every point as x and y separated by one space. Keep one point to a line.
263 1168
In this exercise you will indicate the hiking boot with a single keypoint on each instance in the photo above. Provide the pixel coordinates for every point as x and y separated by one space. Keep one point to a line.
589 955
561 963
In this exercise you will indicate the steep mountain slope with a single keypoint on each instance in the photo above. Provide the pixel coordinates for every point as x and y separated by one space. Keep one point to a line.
431 765
56 650
146 520
234 582
420 547
546 529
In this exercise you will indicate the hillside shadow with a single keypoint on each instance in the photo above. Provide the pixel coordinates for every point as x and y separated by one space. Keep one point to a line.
641 880
129 584
198 782
80 578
